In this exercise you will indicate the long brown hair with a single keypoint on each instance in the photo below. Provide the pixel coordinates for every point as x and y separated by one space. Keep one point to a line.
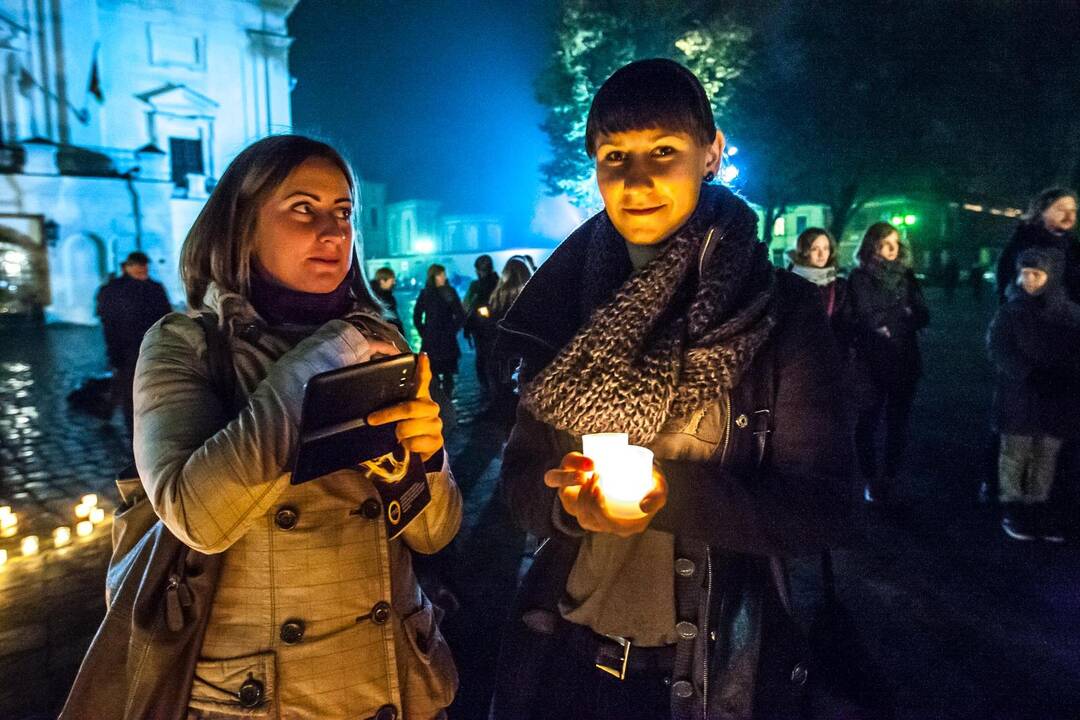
801 256
219 245
871 243
515 274
432 271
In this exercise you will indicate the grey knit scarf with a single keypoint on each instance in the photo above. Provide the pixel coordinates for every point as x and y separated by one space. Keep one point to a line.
669 341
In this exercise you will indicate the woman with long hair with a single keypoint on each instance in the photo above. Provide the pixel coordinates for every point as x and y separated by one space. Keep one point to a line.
814 259
500 366
885 311
437 316
316 613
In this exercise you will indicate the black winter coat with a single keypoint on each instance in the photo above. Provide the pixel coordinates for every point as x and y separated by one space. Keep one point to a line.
871 305
1029 235
1034 345
438 316
797 505
128 308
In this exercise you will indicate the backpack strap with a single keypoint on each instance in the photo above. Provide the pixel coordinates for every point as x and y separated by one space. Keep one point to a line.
219 357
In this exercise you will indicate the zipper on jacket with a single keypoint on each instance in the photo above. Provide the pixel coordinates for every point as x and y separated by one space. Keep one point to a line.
530 336
705 251
728 430
705 655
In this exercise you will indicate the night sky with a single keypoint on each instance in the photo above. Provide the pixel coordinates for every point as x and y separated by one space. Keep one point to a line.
434 98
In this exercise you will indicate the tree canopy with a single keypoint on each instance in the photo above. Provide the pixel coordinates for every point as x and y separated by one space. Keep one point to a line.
841 100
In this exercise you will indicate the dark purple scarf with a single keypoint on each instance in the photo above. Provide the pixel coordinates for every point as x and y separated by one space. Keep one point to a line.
280 305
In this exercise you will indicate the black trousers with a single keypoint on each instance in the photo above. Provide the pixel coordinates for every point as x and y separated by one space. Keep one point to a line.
888 401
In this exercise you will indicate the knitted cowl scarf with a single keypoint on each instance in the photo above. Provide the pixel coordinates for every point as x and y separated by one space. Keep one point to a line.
891 275
668 342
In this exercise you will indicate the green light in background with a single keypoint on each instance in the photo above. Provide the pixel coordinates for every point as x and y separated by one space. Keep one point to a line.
897 219
910 219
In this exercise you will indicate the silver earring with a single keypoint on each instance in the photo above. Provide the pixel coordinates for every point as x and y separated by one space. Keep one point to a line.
710 176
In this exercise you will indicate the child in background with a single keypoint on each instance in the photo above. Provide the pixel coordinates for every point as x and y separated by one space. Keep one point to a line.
1033 342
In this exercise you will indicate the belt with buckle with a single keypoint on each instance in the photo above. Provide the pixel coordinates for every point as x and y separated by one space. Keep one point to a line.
618 656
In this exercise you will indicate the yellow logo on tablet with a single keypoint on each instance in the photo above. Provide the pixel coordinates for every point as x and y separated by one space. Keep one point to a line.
393 511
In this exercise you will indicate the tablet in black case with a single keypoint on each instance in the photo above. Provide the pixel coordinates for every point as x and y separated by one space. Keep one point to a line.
334 433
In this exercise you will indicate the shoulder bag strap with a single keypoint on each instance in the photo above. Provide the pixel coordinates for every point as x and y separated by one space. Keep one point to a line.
219 357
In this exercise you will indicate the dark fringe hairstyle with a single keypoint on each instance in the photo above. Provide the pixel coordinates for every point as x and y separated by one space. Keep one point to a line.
650 94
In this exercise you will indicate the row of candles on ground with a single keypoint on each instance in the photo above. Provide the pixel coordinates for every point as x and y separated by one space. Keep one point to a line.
87 512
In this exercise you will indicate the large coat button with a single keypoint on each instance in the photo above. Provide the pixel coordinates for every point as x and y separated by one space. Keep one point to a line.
251 693
386 712
684 567
292 631
682 689
799 674
686 630
371 509
380 614
286 518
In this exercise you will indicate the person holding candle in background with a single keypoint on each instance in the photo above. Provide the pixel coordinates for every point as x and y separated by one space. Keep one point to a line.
663 319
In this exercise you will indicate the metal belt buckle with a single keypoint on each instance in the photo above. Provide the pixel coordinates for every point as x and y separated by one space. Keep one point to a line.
619 673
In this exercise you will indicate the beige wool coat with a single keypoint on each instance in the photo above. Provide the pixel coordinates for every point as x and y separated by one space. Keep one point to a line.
316 611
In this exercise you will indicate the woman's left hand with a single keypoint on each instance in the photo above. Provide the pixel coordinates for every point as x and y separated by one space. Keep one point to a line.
419 427
586 503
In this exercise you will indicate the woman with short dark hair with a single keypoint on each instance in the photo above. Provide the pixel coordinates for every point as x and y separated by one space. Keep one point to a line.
885 310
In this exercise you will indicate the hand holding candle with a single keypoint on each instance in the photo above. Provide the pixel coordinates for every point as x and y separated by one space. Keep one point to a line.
577 480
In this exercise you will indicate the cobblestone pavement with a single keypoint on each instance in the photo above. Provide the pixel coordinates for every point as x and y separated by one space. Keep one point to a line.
965 623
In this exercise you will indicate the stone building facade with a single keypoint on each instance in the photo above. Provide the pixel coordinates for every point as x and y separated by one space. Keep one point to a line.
116 117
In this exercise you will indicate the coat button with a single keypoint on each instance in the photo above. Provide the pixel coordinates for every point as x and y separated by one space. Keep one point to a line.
286 518
251 693
386 712
684 567
371 509
292 631
682 689
380 613
799 674
686 630
742 421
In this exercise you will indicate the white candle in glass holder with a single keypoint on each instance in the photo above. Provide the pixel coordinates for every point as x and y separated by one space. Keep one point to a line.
624 490
605 450
624 470
97 515
29 545
9 524
82 510
61 536
90 499
84 528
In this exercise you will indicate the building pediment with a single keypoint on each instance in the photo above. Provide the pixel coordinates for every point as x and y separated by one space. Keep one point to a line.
178 99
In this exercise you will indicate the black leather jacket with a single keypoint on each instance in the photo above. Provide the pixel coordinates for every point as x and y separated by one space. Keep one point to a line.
728 518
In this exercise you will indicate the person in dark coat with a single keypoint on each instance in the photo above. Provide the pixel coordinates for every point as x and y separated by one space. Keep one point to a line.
383 288
500 366
128 306
663 318
1034 343
438 316
885 311
476 305
814 259
1050 222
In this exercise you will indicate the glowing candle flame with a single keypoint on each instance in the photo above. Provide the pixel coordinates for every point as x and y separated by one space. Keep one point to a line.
29 545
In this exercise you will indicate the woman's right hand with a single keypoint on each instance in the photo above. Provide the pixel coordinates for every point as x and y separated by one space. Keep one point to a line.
580 497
